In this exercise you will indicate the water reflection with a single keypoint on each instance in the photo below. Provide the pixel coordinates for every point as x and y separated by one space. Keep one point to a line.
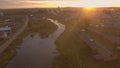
35 52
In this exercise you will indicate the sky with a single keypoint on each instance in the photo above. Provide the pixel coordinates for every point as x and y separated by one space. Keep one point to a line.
56 3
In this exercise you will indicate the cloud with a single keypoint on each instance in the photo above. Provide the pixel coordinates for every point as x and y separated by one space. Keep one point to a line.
13 3
26 3
5 2
35 3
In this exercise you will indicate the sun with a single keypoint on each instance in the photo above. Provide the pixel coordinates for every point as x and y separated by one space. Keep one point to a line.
89 8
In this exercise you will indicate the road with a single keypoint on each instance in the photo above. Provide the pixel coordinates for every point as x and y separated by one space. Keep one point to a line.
7 43
103 51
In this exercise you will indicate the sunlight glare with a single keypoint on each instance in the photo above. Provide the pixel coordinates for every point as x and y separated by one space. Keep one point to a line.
89 8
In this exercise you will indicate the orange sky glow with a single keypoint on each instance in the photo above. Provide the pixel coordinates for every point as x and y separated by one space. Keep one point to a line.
61 3
81 3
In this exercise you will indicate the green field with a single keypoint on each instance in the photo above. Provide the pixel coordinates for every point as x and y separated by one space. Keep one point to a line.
74 52
44 27
111 31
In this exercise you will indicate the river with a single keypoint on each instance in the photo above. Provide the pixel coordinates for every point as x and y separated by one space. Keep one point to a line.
36 52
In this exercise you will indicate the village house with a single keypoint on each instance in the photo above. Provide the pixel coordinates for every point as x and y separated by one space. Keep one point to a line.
4 32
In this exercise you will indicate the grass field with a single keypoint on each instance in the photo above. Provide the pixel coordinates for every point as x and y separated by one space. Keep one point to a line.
74 52
44 27
112 31
102 40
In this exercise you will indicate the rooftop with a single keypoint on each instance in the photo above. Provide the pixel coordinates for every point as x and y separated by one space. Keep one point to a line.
5 28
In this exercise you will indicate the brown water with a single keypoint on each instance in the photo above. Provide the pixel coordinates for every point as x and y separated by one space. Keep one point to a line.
35 52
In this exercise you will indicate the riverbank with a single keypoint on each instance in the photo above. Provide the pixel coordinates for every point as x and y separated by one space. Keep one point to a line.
42 26
10 52
45 30
70 46
8 49
37 52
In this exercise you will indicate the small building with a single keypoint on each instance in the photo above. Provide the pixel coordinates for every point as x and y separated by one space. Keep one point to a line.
4 32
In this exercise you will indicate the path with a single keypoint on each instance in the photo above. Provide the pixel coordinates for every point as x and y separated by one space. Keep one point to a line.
7 43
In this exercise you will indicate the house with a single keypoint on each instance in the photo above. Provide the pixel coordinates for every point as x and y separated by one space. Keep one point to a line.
4 32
